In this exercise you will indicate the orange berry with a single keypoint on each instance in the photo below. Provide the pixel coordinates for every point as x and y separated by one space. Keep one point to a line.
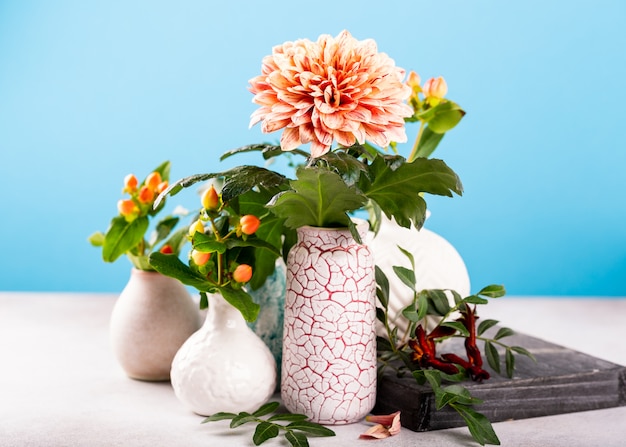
243 273
162 187
196 227
249 224
130 183
210 199
153 180
167 249
127 207
199 257
146 195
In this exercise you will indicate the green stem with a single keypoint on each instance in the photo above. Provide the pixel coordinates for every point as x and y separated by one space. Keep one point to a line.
413 154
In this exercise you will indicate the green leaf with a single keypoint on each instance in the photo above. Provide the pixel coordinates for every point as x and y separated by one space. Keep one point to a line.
439 299
123 236
243 179
443 117
428 143
263 432
409 256
382 344
458 326
291 417
405 275
493 357
204 300
422 304
297 439
383 286
219 417
398 191
163 229
503 332
311 428
380 314
493 291
318 198
509 361
267 408
267 150
473 299
410 313
97 239
170 265
241 301
478 425
484 325
241 418
347 166
523 351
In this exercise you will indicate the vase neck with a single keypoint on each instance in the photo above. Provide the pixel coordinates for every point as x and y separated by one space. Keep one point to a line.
222 314
332 236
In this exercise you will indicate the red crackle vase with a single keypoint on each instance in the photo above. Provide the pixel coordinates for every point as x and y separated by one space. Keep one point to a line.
329 342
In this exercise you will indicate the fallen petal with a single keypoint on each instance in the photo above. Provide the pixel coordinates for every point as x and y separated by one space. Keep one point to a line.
375 432
385 419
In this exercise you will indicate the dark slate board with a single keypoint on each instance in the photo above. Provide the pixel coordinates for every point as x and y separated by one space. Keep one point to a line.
562 381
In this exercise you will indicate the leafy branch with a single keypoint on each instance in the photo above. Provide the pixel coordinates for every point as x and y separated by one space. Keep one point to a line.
295 427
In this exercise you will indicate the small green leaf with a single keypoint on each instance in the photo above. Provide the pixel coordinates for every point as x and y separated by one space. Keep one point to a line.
439 299
484 325
170 265
523 351
503 332
204 300
242 301
219 417
428 143
123 236
422 305
311 428
382 344
267 408
478 425
493 291
97 239
409 256
380 315
411 314
509 361
458 326
405 275
443 117
383 285
473 299
241 418
297 439
263 432
493 357
288 417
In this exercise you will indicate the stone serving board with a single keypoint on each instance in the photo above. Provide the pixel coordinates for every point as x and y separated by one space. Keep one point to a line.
562 381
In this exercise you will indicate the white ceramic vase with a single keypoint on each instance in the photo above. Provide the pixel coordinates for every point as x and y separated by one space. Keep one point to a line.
224 366
151 319
329 346
438 265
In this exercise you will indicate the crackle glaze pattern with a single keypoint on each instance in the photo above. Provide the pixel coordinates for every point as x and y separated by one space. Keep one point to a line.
329 346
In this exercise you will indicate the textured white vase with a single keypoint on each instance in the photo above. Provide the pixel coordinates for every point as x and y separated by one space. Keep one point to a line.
151 319
329 346
224 366
438 265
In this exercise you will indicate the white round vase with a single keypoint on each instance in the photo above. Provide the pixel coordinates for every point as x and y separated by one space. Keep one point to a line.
438 265
329 343
224 366
151 319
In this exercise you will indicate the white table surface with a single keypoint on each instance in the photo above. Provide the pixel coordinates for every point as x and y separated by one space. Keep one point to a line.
61 386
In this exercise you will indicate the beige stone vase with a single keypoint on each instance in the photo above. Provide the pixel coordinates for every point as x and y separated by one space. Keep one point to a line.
152 318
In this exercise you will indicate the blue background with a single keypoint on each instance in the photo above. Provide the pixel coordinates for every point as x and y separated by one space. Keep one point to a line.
90 91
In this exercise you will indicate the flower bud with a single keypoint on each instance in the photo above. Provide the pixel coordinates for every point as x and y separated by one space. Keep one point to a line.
210 199
243 273
130 183
196 227
167 249
146 195
249 224
127 207
435 88
200 258
153 180
414 81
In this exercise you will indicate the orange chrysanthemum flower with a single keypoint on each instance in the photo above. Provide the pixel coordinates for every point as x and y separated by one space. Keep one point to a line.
338 89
